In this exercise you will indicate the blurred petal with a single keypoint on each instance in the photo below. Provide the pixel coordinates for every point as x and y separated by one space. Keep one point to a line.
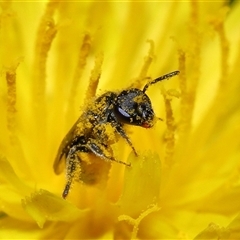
12 190
214 231
218 201
234 228
44 206
141 184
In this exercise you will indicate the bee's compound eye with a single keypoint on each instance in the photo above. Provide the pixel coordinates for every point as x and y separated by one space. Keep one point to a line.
123 113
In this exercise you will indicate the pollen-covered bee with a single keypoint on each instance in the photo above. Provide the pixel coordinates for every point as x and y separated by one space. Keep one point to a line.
100 124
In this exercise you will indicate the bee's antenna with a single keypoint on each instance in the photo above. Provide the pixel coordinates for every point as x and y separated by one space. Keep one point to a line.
166 76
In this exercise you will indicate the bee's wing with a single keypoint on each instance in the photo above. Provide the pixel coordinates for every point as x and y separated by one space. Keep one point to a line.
63 150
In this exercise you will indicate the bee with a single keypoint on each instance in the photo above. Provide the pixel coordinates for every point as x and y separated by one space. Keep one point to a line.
101 124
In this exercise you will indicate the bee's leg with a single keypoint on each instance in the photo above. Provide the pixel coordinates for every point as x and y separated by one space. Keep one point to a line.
118 127
102 151
73 169
123 134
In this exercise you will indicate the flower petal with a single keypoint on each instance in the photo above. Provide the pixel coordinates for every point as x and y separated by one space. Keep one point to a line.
141 184
234 227
213 231
43 206
12 190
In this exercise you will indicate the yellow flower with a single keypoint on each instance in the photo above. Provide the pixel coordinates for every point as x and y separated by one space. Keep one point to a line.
185 181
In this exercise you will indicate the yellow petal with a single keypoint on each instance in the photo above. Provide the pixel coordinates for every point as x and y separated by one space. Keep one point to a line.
141 184
43 206
213 231
12 190
234 228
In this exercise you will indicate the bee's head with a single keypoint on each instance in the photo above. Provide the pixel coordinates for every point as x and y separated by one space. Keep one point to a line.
134 107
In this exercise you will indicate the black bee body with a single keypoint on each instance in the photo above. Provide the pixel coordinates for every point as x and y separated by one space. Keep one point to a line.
100 125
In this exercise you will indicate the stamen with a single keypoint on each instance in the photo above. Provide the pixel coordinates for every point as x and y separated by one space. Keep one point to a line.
218 24
188 89
135 222
184 106
171 127
46 33
94 79
82 61
147 62
11 102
